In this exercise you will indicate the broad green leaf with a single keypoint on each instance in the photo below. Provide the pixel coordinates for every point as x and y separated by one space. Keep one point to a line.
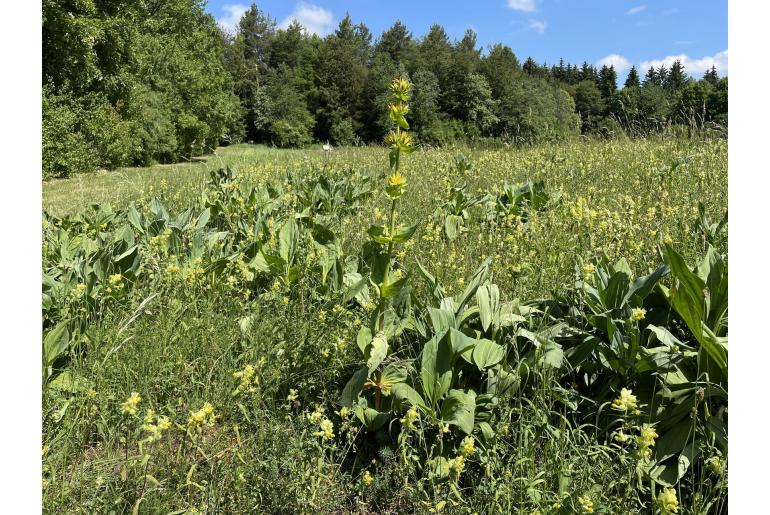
673 441
459 409
441 319
391 290
642 286
436 367
462 344
379 234
479 276
488 300
714 346
553 355
402 234
487 354
55 343
452 226
392 375
439 467
376 352
612 296
687 296
364 338
371 418
203 219
353 387
405 394
502 383
288 239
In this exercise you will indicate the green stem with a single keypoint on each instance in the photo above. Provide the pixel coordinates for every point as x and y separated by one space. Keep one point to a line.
381 307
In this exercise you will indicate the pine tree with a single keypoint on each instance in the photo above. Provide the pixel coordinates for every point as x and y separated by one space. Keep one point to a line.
632 81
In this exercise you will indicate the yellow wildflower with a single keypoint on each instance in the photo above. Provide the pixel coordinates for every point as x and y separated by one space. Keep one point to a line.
130 405
646 440
396 185
586 504
204 416
400 89
410 418
638 314
326 429
626 402
367 479
667 501
457 465
467 447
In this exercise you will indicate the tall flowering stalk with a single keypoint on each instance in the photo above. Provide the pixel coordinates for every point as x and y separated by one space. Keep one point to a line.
400 142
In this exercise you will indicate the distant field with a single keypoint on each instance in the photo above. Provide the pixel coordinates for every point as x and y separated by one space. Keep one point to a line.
125 184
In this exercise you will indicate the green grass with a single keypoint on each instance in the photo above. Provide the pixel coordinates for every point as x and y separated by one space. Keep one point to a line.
177 339
118 187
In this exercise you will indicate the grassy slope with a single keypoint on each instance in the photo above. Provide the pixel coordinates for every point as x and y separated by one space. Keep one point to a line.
261 455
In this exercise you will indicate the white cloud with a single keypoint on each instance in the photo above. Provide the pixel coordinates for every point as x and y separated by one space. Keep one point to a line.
537 25
316 20
233 13
528 6
636 10
693 66
620 63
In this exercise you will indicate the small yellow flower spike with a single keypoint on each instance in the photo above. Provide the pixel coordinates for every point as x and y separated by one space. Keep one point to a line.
467 447
457 465
586 504
668 502
638 314
646 440
367 479
326 429
626 402
130 405
410 418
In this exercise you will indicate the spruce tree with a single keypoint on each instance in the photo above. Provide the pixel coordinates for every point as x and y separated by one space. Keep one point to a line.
607 81
711 76
632 81
676 78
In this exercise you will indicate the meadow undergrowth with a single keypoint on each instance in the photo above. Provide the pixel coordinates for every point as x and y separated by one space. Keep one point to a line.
538 331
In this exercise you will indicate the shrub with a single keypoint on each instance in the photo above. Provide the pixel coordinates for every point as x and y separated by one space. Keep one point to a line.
290 134
65 149
341 132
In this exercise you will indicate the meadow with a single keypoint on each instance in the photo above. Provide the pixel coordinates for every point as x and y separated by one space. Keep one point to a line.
533 330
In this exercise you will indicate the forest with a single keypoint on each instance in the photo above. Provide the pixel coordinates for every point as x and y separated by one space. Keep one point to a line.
137 82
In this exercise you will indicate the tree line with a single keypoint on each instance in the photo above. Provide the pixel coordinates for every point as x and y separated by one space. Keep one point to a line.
141 81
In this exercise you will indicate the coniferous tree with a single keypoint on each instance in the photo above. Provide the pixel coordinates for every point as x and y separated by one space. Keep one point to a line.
607 81
676 77
711 76
632 81
397 42
436 55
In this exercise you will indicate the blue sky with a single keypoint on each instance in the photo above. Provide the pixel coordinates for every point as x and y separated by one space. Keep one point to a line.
619 32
